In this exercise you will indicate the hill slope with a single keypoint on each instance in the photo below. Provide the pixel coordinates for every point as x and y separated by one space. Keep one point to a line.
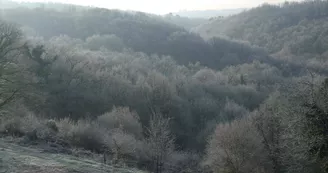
15 158
138 31
293 30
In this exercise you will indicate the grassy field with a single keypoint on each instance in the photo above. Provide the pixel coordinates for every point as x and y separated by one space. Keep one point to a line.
18 159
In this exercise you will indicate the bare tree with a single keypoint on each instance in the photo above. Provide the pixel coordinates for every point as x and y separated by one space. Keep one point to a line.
11 72
123 146
270 130
9 40
236 148
160 141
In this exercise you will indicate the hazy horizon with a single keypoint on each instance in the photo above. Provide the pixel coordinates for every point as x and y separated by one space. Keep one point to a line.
164 7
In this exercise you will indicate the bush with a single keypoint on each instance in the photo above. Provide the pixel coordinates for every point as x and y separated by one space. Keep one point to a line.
15 120
123 146
65 127
32 122
51 124
183 162
31 126
89 136
235 146
19 126
95 137
123 118
12 127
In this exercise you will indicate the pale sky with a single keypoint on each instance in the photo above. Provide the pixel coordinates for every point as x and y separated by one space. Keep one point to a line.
165 6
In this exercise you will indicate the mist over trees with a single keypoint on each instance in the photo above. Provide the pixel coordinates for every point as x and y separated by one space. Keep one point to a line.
139 31
147 93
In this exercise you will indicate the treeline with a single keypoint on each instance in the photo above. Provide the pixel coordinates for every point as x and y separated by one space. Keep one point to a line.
9 4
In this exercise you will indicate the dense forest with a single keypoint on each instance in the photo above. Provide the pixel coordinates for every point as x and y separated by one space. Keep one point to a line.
294 32
239 94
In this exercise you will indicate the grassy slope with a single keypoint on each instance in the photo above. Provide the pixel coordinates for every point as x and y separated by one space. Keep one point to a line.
15 158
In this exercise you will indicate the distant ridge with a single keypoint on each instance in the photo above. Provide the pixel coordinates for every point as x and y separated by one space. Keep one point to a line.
209 13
